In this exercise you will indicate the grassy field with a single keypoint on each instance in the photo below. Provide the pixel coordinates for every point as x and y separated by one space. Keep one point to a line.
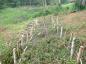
14 20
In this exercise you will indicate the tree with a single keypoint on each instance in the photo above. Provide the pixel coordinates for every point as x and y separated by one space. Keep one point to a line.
1 3
80 4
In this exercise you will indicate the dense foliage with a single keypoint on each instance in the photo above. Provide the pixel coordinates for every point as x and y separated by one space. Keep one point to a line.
14 3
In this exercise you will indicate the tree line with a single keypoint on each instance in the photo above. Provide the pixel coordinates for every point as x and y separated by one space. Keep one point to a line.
14 3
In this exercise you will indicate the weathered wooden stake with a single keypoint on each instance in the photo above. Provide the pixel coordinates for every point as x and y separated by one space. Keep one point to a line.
61 32
53 22
80 54
27 38
31 33
14 56
72 47
45 28
0 62
57 29
36 22
57 20
70 37
22 54
25 49
81 61
22 39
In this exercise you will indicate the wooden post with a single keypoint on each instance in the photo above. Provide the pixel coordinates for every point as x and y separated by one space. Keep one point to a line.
22 54
57 20
70 37
0 62
53 22
79 54
72 47
45 28
25 49
22 39
57 29
36 22
14 56
31 33
27 37
0 59
81 61
61 32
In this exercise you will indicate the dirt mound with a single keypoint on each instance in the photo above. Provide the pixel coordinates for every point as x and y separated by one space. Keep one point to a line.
78 20
75 18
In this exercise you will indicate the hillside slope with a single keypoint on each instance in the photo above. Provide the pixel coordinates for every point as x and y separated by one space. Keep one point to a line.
41 43
77 21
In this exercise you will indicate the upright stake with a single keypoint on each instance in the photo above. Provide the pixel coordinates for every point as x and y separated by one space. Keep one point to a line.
79 54
27 37
31 33
53 22
81 61
22 54
45 27
57 29
36 22
61 33
57 20
0 62
14 56
22 39
72 47
25 49
71 37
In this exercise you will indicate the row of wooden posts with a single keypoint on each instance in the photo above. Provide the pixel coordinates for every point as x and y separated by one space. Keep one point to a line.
78 55
61 33
54 24
79 60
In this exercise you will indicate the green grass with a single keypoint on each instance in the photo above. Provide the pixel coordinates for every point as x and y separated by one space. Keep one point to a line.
16 19
18 16
69 7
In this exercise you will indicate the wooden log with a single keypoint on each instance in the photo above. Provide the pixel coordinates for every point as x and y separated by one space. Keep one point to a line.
14 56
80 54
